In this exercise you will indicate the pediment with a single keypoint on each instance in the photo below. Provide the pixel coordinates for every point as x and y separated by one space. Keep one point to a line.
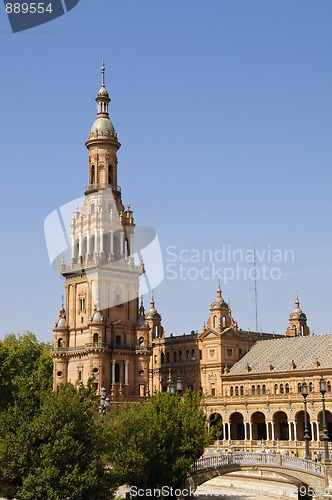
231 333
210 334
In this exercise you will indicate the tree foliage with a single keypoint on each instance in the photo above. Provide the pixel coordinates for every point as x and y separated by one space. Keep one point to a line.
51 444
154 444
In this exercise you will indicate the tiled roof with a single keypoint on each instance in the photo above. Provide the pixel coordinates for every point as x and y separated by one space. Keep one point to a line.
286 354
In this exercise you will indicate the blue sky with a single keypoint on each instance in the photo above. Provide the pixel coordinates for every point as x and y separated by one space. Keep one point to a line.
223 109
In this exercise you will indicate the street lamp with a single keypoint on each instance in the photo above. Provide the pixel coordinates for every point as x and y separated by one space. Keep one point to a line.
104 402
178 384
304 392
325 437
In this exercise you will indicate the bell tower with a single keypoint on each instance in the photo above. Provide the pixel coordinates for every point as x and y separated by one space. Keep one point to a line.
297 322
220 314
96 334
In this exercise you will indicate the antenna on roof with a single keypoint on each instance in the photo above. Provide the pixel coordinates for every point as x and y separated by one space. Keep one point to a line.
255 289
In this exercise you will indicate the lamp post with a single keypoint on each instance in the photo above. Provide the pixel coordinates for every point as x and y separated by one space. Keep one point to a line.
178 385
104 402
325 437
304 392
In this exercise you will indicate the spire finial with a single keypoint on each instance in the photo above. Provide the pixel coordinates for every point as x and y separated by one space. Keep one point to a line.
219 289
62 301
102 72
297 302
141 300
152 299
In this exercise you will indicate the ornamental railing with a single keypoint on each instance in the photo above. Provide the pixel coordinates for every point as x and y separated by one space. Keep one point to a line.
101 345
246 458
91 188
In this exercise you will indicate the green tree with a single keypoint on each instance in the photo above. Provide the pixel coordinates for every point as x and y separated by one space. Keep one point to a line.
60 454
154 444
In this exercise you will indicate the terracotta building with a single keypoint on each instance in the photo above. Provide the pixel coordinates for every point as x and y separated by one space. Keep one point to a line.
251 380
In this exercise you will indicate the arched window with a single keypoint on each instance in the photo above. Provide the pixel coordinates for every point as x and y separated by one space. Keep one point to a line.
223 321
156 331
236 390
287 388
253 390
174 356
180 356
167 357
311 387
60 343
328 386
276 389
95 338
263 389
141 340
117 373
241 390
299 385
193 354
93 175
214 321
258 390
231 391
110 174
187 354
162 358
281 388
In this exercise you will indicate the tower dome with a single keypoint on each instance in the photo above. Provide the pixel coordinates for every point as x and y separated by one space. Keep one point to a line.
102 127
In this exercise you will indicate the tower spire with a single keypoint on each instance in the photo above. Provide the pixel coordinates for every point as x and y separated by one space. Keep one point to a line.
102 72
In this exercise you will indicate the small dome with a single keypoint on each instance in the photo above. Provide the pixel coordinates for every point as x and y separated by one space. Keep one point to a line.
61 323
96 316
103 92
102 126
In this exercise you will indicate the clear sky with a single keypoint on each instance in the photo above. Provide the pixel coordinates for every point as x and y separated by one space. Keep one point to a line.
223 109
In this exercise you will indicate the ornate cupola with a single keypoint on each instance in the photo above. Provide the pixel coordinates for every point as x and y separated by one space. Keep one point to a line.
103 145
220 313
297 322
153 319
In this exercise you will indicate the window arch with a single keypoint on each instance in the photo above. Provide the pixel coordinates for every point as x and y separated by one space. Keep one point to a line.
236 390
276 389
95 338
258 390
311 387
287 388
117 373
214 321
60 343
299 385
223 321
281 388
253 390
241 390
110 174
93 174
231 391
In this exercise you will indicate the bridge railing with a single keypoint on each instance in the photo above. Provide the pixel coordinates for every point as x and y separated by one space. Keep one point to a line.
249 458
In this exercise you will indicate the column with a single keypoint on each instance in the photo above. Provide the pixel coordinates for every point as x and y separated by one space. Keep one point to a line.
317 430
80 245
101 240
113 371
312 431
87 242
72 246
96 241
121 243
267 431
295 431
245 431
250 431
229 430
126 363
112 242
272 428
290 437
224 431
125 249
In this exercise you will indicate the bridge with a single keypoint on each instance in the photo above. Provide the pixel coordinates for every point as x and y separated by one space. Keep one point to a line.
310 477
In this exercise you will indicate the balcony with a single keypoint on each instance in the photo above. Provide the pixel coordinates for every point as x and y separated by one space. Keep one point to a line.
101 345
92 188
